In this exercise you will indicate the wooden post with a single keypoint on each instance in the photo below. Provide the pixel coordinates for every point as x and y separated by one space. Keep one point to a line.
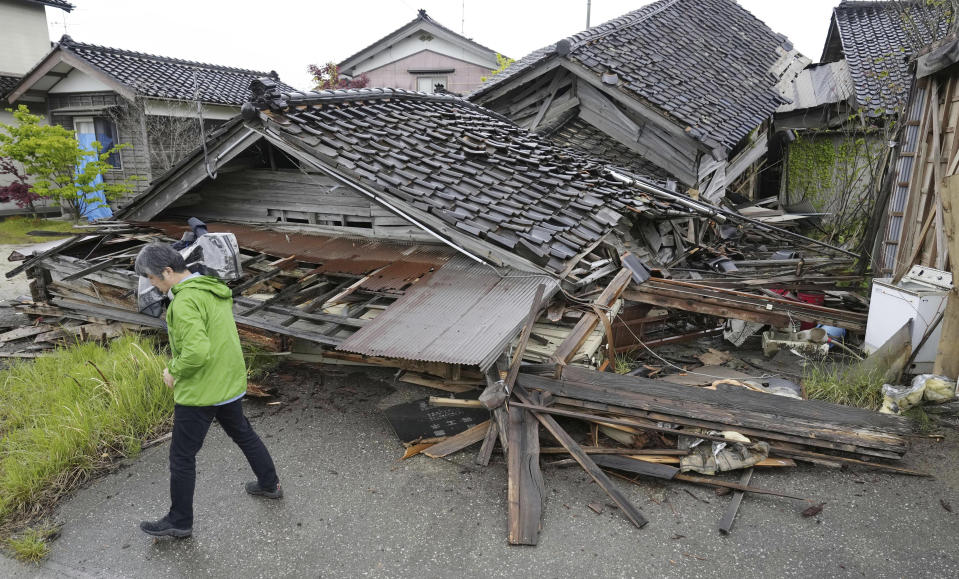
947 363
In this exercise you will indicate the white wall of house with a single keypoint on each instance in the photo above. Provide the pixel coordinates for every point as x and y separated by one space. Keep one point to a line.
24 38
456 75
418 42
79 81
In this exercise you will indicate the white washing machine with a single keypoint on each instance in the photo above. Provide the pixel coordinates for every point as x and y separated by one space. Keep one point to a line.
921 296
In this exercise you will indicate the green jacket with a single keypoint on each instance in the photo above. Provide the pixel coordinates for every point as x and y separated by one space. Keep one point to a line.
207 359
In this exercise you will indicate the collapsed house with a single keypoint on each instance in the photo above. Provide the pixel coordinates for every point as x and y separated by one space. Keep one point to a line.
423 232
684 88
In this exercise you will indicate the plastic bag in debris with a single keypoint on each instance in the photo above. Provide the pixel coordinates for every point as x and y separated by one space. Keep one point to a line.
217 253
709 458
898 399
936 388
214 254
149 298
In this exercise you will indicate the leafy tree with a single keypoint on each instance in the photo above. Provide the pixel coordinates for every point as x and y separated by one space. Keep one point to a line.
503 63
19 190
327 77
52 157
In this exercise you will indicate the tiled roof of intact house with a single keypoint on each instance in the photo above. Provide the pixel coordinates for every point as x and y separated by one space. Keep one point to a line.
7 83
579 134
169 78
707 64
876 48
61 4
474 170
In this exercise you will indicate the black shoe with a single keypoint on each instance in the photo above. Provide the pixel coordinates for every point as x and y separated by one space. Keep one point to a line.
163 528
254 488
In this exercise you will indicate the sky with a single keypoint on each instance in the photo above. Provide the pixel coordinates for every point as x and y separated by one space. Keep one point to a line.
297 33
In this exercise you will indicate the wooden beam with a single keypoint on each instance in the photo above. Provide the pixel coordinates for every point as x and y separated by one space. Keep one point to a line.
628 509
525 489
586 324
553 87
726 523
534 309
459 441
947 363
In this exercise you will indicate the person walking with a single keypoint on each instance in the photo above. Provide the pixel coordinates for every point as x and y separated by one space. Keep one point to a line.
208 376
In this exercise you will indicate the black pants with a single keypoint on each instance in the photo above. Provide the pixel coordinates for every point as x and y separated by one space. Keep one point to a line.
190 425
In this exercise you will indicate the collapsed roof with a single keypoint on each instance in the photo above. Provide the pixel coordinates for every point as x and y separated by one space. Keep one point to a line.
465 175
708 65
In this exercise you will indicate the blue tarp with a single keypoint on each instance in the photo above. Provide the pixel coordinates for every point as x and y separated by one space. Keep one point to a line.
95 205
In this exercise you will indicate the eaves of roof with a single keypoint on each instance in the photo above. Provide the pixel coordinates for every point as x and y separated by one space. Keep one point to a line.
61 4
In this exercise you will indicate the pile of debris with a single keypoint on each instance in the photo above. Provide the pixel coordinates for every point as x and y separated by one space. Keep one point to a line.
318 295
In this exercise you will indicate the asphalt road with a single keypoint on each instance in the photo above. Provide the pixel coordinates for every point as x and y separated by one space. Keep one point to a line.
353 510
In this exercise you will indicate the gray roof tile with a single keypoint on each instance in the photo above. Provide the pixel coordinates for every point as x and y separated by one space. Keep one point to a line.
666 54
170 78
518 194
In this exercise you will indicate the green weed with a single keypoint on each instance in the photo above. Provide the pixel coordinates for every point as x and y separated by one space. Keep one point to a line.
922 422
258 360
847 385
622 365
32 545
64 415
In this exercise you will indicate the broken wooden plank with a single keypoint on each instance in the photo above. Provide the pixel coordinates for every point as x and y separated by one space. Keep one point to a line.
486 449
629 510
458 441
565 352
667 472
25 332
524 338
726 523
758 414
421 380
276 268
455 402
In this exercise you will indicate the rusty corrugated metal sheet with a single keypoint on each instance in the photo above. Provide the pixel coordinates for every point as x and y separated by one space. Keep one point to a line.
404 262
464 313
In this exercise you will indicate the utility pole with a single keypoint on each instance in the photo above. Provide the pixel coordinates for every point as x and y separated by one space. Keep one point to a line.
588 4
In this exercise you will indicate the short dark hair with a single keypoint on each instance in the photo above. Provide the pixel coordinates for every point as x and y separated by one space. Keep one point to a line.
156 257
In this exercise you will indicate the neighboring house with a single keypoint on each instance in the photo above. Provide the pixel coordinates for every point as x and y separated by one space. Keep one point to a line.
421 55
844 112
871 38
24 39
681 84
147 101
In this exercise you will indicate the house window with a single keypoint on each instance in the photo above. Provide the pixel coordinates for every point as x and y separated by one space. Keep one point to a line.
428 83
100 129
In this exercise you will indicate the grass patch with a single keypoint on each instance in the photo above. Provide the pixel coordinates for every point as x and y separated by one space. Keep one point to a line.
623 364
68 414
847 385
13 230
922 422
259 361
32 545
